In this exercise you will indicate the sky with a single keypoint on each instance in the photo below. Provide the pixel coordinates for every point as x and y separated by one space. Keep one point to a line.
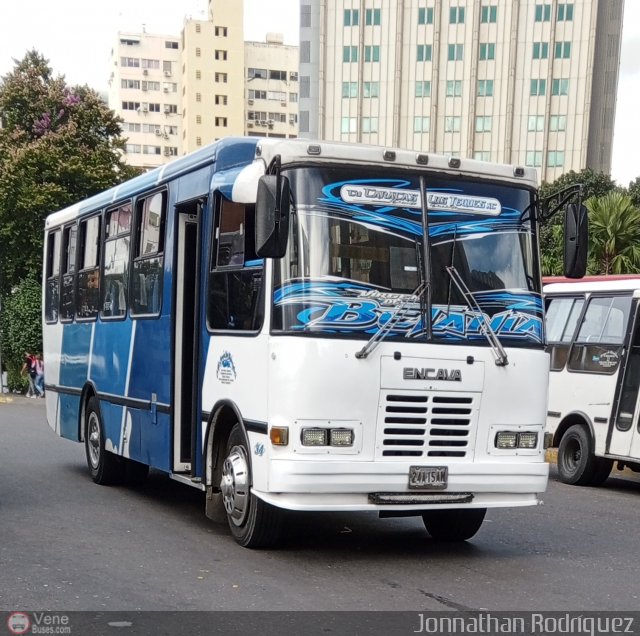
50 25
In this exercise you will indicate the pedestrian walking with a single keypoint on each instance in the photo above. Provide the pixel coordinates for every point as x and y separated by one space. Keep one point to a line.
29 367
39 379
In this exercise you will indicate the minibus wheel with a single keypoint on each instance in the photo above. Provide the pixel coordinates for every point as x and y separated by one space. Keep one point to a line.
577 463
253 523
453 524
103 465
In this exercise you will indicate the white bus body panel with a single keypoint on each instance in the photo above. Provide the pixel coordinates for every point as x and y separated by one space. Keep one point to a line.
319 382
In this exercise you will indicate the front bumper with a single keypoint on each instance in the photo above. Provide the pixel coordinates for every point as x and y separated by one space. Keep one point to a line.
328 485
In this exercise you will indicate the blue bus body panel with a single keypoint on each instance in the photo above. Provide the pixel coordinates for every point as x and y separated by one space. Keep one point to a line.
110 359
74 365
69 417
151 360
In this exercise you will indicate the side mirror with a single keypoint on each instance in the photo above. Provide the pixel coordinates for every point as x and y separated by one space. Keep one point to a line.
576 241
272 216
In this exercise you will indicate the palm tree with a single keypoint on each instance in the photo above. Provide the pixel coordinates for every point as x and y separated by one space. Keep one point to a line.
614 234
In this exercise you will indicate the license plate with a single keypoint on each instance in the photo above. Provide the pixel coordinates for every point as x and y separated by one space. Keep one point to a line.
427 477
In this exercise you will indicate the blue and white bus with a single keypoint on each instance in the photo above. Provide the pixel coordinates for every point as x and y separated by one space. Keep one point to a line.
264 321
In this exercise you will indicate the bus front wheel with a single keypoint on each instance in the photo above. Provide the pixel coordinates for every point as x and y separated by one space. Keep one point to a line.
103 465
454 524
577 463
253 523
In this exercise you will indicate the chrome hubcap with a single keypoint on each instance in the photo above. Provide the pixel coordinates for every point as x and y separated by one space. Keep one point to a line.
93 437
235 485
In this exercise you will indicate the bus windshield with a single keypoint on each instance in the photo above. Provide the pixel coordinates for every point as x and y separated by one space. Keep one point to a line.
356 257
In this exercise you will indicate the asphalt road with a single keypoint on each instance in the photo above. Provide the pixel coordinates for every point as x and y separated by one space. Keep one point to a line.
68 544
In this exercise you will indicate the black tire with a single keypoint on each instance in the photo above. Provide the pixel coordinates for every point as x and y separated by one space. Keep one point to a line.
104 466
453 525
577 463
253 523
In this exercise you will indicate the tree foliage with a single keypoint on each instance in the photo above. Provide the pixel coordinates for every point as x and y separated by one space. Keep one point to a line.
58 145
594 184
634 191
614 234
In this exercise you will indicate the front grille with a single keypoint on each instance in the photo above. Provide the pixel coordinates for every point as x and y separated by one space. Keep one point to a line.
426 425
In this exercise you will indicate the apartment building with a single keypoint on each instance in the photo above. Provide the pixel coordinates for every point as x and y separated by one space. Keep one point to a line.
178 93
145 90
530 82
213 75
271 88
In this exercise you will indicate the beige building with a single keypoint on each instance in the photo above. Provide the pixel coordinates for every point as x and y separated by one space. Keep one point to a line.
145 90
271 88
530 82
213 75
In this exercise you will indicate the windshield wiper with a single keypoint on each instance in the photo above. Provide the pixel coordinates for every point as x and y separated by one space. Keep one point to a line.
401 311
485 326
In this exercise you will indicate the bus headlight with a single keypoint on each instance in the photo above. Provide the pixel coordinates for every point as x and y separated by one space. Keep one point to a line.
528 440
341 437
507 440
338 437
314 437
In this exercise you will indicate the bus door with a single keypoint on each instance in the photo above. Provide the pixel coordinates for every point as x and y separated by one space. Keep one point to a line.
186 343
625 436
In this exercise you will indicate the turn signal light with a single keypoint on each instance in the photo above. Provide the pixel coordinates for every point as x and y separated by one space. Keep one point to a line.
279 435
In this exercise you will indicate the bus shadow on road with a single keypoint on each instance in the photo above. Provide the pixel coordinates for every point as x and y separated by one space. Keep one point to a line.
321 533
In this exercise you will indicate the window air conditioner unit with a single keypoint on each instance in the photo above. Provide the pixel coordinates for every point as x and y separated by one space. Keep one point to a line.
167 110
283 103
250 101
158 132
144 109
263 122
166 89
249 124
167 73
145 71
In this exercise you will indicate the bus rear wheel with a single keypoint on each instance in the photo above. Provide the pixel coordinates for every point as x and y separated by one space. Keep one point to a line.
577 463
253 523
453 525
103 465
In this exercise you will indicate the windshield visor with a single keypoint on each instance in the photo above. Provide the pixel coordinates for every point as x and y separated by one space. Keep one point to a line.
356 258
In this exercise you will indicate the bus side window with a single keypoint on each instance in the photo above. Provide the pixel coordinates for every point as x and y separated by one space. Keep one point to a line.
148 256
115 280
88 289
598 345
235 299
67 299
561 319
52 294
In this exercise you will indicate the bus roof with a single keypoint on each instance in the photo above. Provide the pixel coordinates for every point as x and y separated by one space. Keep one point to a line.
235 152
620 282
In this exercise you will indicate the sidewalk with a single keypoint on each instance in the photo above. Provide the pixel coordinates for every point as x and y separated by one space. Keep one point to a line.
8 398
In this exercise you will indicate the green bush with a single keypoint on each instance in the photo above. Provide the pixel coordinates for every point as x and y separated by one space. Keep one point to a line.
20 329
